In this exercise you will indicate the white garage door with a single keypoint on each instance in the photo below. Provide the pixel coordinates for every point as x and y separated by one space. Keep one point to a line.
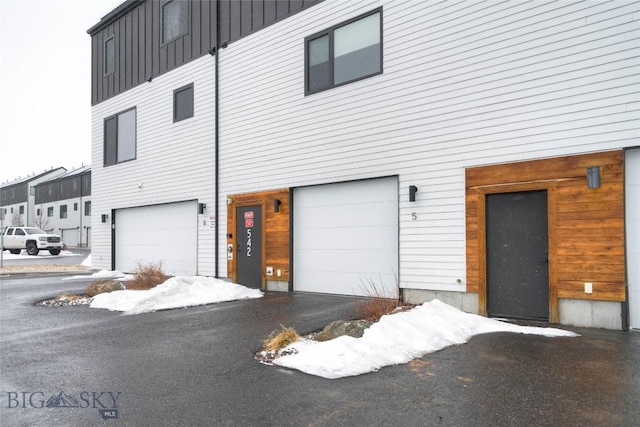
345 237
632 182
70 237
166 233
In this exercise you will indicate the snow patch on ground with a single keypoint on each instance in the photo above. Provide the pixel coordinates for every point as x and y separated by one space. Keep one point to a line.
176 292
42 254
397 338
104 275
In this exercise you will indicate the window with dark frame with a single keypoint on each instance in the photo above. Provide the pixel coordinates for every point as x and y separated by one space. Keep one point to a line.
109 56
75 207
87 208
50 211
63 211
344 53
21 210
175 19
183 103
120 137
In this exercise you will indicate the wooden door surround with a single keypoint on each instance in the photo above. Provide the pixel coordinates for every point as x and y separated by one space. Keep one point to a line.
586 226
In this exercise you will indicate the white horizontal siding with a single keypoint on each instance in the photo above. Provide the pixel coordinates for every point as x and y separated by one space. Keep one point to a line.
464 84
174 161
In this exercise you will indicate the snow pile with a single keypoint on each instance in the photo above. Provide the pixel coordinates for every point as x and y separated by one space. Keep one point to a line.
87 261
103 275
176 292
396 339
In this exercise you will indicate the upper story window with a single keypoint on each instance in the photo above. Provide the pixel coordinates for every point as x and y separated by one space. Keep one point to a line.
50 211
21 210
109 56
120 137
175 19
63 211
87 208
344 53
183 103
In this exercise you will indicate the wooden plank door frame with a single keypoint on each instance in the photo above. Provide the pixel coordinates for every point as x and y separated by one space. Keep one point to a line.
550 187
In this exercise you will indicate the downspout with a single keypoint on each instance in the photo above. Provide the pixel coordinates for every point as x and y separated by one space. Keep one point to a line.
217 142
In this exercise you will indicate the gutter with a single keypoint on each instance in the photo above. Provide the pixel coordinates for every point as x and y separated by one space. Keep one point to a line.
216 50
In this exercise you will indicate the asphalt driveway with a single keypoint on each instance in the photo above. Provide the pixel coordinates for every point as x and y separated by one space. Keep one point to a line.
195 366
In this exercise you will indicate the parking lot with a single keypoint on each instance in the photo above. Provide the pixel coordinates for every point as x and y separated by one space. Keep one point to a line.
195 366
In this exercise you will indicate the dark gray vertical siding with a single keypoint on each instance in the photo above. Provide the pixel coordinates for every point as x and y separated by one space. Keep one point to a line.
86 184
225 13
148 39
234 21
64 188
246 16
13 194
196 36
269 12
129 58
258 13
140 54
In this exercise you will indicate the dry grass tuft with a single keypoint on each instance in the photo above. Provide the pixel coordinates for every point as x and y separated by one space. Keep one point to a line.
147 276
377 304
280 339
69 297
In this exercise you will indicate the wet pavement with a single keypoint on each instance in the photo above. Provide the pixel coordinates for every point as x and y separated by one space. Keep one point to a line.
195 366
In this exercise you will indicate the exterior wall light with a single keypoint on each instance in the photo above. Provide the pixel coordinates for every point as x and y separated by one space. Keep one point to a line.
276 205
105 218
201 208
412 193
593 177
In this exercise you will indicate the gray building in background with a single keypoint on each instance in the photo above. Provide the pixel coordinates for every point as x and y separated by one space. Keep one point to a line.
63 206
17 198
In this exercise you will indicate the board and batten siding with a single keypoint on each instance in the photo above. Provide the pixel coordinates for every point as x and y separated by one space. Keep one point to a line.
174 162
464 84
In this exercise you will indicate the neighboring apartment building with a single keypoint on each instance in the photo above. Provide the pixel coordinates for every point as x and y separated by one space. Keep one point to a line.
482 153
17 198
63 206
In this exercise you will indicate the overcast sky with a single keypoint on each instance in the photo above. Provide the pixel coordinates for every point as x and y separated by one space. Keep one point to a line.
45 92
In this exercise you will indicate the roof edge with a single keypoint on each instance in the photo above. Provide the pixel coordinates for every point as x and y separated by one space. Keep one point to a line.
114 15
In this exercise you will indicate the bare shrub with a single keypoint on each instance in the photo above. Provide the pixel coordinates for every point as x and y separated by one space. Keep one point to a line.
378 302
147 276
280 339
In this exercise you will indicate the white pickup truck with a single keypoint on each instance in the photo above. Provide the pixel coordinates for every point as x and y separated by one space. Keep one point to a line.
15 239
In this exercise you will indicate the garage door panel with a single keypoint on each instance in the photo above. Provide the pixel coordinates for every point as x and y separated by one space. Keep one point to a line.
358 261
70 237
345 235
350 284
152 234
368 237
344 215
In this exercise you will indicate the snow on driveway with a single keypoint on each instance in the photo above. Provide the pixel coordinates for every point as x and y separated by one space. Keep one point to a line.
177 292
396 339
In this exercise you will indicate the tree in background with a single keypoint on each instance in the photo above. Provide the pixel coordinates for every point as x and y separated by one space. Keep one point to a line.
41 221
16 220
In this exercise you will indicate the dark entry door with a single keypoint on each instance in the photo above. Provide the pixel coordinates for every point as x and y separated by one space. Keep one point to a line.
249 245
517 255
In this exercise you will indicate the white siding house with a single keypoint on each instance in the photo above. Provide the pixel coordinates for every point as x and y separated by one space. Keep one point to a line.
373 143
464 84
174 163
